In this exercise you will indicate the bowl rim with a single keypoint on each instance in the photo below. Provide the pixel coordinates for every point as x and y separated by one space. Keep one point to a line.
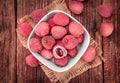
56 11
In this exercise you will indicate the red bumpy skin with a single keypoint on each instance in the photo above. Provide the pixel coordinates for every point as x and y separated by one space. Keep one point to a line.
105 10
61 62
24 29
106 29
61 19
48 42
76 7
69 42
31 61
73 52
58 32
35 45
42 29
47 54
37 14
75 29
90 54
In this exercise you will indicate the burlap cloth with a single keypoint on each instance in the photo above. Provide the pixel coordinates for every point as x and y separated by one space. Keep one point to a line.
79 67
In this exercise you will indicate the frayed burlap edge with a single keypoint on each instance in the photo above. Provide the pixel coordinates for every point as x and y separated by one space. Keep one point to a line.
79 67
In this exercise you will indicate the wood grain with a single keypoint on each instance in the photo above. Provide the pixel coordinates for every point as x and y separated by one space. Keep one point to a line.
110 47
7 42
13 68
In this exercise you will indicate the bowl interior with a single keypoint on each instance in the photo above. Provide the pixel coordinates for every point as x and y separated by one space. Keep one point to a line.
81 48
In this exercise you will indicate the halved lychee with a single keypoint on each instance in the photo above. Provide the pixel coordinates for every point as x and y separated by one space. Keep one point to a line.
59 52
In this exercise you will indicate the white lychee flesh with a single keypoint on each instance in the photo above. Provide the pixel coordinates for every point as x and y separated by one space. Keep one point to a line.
59 52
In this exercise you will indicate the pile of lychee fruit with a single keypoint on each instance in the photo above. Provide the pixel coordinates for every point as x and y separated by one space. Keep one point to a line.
57 38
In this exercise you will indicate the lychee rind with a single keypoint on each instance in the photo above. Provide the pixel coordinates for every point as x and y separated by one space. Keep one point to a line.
47 54
35 45
61 19
24 29
90 54
31 61
69 42
106 29
48 42
58 32
73 52
61 62
76 29
37 14
76 7
105 10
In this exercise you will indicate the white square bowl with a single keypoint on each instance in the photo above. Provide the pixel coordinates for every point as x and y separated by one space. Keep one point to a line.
72 61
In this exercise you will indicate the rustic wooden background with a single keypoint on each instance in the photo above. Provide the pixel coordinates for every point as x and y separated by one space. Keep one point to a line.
12 54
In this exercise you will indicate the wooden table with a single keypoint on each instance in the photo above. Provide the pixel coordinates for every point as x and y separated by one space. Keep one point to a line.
12 54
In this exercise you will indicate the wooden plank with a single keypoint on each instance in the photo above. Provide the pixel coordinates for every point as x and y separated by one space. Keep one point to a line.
7 42
117 41
26 74
110 47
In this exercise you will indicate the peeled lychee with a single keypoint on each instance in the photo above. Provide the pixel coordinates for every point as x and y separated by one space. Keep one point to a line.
73 52
61 62
90 54
80 39
24 29
61 19
75 29
51 23
31 61
37 14
105 10
35 45
106 29
58 32
69 42
47 54
59 52
76 7
42 29
48 42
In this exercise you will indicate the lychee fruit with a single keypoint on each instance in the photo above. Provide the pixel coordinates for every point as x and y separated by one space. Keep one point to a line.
42 29
48 42
24 29
31 61
76 29
61 19
61 62
37 14
105 10
69 42
80 39
73 52
89 54
106 29
58 32
76 7
35 45
51 23
47 54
